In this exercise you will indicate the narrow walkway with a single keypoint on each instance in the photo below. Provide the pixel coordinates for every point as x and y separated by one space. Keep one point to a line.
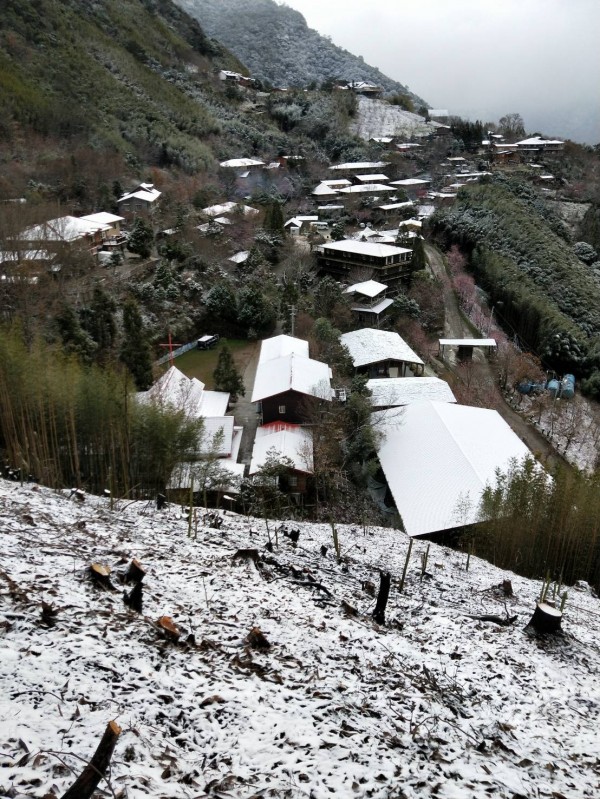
245 413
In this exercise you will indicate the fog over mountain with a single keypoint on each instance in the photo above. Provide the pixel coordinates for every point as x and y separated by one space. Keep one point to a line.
481 60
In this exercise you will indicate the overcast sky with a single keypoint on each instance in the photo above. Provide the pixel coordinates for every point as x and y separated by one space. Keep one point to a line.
481 59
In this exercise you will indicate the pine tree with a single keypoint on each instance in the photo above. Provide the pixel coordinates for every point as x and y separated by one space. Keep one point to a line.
135 350
140 238
226 376
75 339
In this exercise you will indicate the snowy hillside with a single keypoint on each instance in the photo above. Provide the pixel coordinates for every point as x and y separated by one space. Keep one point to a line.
378 118
275 687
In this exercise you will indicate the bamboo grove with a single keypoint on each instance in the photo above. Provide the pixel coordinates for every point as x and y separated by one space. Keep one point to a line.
542 525
66 424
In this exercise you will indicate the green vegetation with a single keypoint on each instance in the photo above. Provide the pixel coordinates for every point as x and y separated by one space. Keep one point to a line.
68 424
202 363
519 254
539 525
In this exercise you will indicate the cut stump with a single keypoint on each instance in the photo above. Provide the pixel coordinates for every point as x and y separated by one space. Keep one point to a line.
87 782
546 619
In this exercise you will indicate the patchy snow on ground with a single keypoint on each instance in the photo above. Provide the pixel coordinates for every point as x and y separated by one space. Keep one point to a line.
436 703
378 118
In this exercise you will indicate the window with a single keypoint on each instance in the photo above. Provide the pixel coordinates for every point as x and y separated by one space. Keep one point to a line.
282 409
292 481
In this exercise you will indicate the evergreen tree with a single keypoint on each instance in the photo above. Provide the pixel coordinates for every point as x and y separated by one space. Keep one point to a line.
75 340
140 238
227 377
419 259
274 218
98 320
255 310
135 349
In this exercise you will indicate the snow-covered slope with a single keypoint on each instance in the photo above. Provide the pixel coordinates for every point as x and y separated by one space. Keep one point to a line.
435 703
378 118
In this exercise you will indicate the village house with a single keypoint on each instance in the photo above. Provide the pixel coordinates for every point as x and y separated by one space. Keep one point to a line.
300 225
221 437
288 383
352 168
387 263
369 303
381 353
365 88
224 209
435 465
395 392
142 200
414 187
65 230
292 446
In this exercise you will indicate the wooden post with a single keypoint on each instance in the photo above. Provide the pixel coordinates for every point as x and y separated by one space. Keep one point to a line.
87 782
382 597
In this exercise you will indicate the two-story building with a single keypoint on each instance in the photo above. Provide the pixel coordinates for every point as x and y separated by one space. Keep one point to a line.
388 264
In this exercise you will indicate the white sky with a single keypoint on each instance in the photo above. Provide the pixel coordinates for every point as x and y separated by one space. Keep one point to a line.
481 59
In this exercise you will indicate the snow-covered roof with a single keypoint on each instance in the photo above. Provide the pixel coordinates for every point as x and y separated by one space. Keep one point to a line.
323 190
297 221
277 346
395 206
241 162
369 345
103 218
292 373
359 165
438 112
146 192
26 255
368 288
410 182
427 210
217 432
364 248
468 342
240 257
337 182
382 139
411 222
366 188
64 228
177 390
407 145
374 309
288 440
229 207
537 141
436 464
330 208
372 178
389 392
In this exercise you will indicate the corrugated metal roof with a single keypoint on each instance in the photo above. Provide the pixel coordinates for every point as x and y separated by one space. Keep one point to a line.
369 345
438 458
292 373
290 441
389 392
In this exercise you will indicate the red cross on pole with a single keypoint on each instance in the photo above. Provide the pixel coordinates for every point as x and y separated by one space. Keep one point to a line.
170 346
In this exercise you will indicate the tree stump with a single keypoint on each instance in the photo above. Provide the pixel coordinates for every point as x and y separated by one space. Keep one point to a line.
546 619
101 575
169 628
87 782
134 598
382 597
135 573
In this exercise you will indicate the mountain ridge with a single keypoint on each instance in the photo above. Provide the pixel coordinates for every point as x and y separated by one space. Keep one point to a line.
277 45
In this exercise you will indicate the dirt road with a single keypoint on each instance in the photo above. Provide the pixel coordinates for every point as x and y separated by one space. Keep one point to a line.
456 326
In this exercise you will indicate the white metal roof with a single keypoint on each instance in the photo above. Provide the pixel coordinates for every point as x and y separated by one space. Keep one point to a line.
364 248
146 192
277 346
336 182
368 288
438 457
369 345
240 257
373 178
388 392
323 190
242 162
103 218
297 221
468 342
286 440
64 228
410 182
366 188
359 165
229 207
394 206
375 309
292 372
538 141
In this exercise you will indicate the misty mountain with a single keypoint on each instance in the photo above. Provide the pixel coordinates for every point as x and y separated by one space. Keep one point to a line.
277 45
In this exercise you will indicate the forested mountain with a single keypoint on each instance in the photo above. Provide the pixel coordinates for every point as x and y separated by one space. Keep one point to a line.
277 45
134 77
